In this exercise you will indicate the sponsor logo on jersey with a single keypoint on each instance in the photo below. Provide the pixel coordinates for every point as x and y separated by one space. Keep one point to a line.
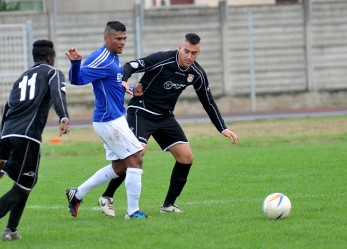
190 78
119 77
168 85
134 64
183 74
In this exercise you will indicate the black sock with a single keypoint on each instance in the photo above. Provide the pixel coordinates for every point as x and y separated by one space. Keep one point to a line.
14 201
178 180
113 185
16 212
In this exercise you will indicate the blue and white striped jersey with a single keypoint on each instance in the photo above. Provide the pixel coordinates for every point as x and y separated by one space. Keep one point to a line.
104 70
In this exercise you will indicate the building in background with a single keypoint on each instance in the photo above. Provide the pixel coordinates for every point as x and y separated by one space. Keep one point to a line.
105 5
157 3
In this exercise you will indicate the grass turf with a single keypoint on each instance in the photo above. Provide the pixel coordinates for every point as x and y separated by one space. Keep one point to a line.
222 201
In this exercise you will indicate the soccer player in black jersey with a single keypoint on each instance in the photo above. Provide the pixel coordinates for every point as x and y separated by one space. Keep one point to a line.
24 118
150 111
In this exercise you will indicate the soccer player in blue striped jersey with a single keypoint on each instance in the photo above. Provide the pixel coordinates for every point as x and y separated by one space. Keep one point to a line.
104 71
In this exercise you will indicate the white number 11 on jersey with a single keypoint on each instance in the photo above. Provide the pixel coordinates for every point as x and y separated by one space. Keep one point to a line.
23 86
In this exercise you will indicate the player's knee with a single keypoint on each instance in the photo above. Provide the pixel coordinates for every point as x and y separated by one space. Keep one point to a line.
185 159
119 166
142 152
190 159
135 161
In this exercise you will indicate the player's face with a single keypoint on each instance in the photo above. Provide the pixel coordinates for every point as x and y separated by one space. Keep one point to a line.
115 41
187 54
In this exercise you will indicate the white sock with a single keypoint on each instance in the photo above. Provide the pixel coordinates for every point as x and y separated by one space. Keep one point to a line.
102 176
133 186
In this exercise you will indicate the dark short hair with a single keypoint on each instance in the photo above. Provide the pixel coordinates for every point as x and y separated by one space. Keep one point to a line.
193 38
42 49
115 25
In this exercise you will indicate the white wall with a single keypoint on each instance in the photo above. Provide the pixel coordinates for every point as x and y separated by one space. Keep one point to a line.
149 3
251 2
68 6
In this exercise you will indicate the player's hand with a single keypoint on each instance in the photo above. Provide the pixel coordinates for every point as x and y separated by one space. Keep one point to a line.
64 126
73 54
232 135
2 164
127 88
138 90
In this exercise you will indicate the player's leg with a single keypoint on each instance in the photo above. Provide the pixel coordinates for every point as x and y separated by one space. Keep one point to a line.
133 185
76 195
113 186
171 137
14 202
126 148
142 131
17 210
106 199
9 200
105 131
100 177
115 183
22 167
179 175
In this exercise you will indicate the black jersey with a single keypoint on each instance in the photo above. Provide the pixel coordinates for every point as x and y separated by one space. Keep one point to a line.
163 82
26 111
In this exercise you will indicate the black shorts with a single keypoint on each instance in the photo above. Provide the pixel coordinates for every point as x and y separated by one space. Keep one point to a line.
165 129
23 158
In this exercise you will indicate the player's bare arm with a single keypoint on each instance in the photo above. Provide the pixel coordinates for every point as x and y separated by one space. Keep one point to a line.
73 54
232 135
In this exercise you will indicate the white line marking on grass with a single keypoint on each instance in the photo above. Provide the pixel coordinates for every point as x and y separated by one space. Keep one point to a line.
62 207
57 207
205 202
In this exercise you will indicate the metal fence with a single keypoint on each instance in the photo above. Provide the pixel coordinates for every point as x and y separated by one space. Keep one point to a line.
15 55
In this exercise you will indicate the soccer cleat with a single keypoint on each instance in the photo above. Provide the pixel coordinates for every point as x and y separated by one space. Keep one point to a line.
74 203
8 235
106 205
136 215
173 208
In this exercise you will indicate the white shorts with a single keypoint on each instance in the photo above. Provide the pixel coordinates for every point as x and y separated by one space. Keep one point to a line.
119 141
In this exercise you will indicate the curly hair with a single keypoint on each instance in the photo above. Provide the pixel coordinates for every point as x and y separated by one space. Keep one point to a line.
42 49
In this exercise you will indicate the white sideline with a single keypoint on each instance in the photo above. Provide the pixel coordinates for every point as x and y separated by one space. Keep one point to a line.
96 208
59 207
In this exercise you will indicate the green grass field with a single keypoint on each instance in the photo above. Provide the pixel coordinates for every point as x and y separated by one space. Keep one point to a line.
222 201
